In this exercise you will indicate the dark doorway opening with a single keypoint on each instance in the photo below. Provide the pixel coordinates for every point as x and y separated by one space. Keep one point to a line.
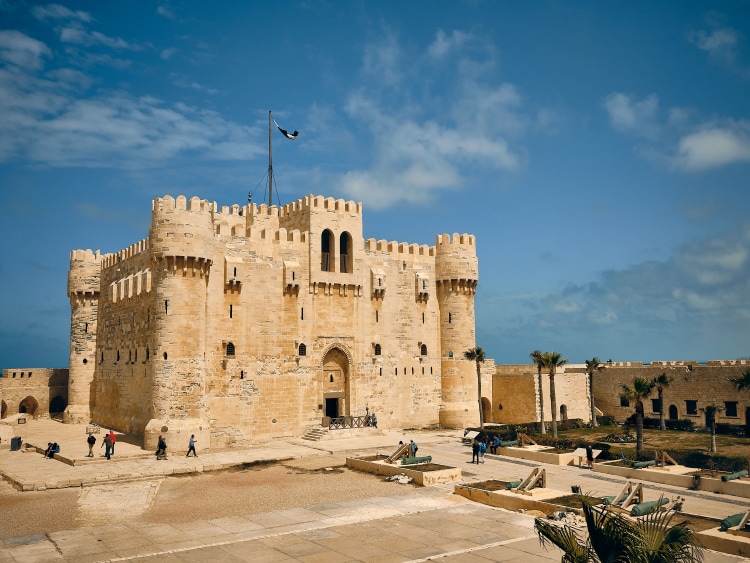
332 408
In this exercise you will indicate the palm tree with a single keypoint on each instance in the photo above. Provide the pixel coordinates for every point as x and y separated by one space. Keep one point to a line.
537 357
591 365
613 537
661 383
553 360
641 389
476 355
711 411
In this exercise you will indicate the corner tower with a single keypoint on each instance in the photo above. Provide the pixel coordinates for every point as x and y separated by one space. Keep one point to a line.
83 290
456 277
181 243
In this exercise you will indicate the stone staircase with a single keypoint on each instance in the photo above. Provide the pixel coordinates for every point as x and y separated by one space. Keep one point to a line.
315 434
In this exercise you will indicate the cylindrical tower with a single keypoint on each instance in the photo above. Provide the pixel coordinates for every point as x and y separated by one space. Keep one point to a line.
181 238
83 289
456 276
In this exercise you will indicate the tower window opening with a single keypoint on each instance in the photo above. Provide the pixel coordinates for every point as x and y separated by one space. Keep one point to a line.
118 355
422 370
302 314
404 370
302 350
166 306
164 355
230 349
423 349
102 360
235 273
422 318
381 372
230 311
377 350
331 378
148 354
326 250
430 370
412 370
376 316
396 373
86 328
450 316
85 361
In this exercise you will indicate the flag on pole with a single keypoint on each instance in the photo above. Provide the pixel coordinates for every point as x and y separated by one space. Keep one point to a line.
286 133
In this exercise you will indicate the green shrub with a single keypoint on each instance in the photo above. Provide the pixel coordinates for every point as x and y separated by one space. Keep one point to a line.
730 429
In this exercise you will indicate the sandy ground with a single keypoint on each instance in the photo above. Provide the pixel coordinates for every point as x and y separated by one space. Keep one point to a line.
257 489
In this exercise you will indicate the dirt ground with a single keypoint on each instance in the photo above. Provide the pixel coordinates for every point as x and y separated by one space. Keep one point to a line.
257 489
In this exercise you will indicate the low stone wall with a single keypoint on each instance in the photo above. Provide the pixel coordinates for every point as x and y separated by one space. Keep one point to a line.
678 476
536 499
725 542
424 478
540 454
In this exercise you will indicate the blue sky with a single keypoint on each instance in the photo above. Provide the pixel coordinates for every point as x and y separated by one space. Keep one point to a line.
599 151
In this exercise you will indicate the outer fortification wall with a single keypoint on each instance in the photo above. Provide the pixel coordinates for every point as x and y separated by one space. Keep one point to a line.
37 392
694 386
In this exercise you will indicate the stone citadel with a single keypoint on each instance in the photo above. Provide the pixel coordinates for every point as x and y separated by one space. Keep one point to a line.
242 324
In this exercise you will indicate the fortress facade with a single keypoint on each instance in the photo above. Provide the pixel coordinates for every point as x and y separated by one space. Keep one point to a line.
241 324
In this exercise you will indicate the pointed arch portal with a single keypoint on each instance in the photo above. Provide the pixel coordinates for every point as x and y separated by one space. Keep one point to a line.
335 383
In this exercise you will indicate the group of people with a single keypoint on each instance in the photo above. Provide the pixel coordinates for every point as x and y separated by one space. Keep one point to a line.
479 447
108 444
412 447
52 449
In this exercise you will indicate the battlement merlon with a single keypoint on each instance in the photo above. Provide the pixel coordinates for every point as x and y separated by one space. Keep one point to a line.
456 259
85 271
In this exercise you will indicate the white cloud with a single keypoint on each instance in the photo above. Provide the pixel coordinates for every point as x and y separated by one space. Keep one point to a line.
713 146
47 120
57 12
628 115
719 43
166 11
21 50
445 44
78 35
412 158
167 54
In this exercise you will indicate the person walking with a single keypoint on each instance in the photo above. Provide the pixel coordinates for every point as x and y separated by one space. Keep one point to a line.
482 451
161 449
475 451
91 440
107 443
112 439
413 448
590 456
374 420
191 446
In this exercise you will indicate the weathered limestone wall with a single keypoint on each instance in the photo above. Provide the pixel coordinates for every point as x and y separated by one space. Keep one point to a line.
516 388
252 322
703 384
33 390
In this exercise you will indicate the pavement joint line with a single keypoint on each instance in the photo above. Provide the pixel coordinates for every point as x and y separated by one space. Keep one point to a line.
472 549
393 512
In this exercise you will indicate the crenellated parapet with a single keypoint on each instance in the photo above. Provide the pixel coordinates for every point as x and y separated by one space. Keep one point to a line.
181 228
456 264
129 252
311 203
393 247
85 273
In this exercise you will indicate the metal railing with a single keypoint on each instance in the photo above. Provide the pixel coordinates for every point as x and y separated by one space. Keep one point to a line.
349 422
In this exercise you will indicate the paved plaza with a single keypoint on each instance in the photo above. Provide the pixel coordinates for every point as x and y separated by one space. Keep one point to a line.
413 524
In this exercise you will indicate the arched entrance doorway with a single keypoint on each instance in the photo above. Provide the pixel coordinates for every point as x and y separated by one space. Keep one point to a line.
672 412
563 413
28 406
336 383
486 410
57 406
3 409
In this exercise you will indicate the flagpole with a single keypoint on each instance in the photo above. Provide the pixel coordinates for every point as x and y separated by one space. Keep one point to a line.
270 162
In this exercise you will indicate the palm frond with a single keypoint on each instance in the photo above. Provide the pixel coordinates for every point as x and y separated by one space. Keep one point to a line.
565 538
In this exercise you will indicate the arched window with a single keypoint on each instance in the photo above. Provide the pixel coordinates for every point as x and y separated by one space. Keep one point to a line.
345 251
423 350
377 349
230 349
672 412
302 350
326 251
148 354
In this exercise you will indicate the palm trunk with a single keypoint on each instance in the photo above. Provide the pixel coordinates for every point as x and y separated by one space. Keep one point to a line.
594 423
553 402
479 393
638 428
541 401
662 422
